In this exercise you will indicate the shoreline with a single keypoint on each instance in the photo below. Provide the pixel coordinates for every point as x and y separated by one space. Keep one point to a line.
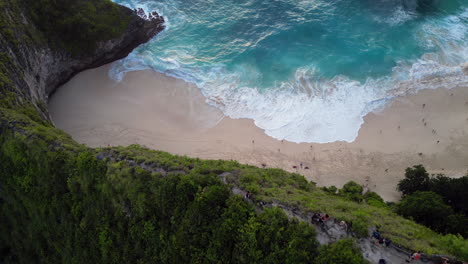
164 113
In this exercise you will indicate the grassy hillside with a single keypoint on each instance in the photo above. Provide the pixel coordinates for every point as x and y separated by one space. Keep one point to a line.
292 189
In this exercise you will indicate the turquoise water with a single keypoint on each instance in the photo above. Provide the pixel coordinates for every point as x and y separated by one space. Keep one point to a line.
305 70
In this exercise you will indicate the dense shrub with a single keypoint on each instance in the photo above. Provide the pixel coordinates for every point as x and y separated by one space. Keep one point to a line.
438 202
62 207
342 252
374 199
352 191
427 208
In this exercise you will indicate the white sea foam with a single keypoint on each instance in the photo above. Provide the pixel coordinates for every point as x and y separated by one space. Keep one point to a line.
308 108
327 110
397 16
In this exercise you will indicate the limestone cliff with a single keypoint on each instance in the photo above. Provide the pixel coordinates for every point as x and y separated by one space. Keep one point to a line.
36 68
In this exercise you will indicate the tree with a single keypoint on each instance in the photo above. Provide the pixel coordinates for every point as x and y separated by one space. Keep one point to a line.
344 251
457 224
416 179
427 208
454 191
227 235
302 246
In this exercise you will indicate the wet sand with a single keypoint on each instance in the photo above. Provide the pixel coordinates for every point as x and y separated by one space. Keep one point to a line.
160 112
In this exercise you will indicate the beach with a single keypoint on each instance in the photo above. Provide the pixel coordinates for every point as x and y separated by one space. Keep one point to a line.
429 127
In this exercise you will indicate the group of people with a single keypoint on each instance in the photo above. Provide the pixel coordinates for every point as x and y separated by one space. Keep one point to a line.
320 218
416 256
386 242
301 165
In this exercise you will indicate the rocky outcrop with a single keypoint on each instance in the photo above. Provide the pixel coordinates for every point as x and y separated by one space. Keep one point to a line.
38 69
60 67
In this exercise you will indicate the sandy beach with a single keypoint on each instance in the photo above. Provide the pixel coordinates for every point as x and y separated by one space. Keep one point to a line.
160 112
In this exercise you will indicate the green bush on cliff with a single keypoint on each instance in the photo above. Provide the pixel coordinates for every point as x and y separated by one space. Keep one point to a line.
427 208
78 24
374 199
352 191
342 252
58 206
438 202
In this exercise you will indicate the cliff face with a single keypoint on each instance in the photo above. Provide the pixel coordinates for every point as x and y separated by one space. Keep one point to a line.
59 67
36 68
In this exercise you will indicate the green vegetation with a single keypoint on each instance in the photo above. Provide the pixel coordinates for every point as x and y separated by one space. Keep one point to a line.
438 202
352 191
8 25
275 185
374 199
426 208
5 80
59 206
291 189
416 179
341 252
78 25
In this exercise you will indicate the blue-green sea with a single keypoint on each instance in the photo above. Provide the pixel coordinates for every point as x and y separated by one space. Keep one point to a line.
306 70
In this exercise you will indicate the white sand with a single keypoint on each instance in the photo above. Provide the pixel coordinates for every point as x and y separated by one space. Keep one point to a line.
163 113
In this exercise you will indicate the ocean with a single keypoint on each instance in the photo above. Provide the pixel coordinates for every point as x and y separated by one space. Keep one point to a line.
306 70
